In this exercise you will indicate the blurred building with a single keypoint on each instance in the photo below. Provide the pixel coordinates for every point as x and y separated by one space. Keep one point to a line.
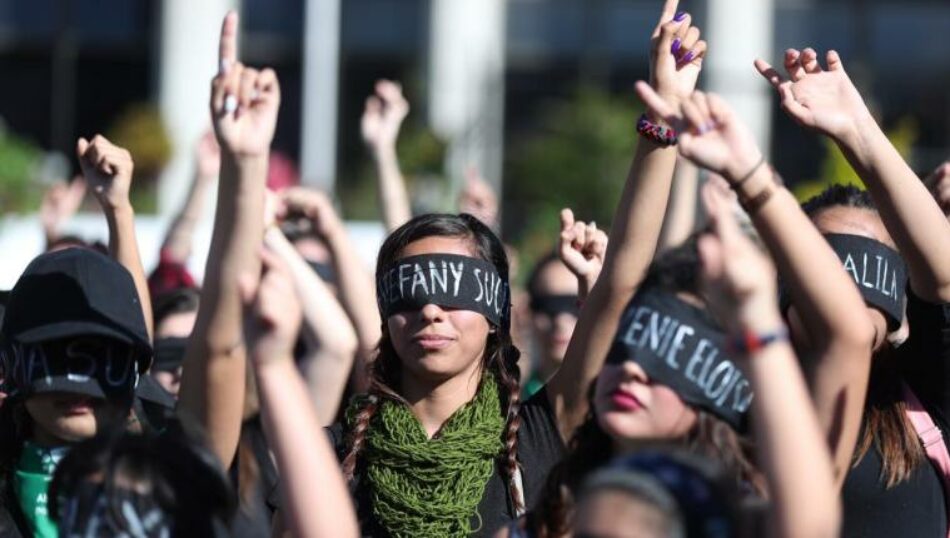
69 66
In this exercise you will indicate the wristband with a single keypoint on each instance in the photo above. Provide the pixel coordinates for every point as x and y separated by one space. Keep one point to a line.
749 342
658 134
735 186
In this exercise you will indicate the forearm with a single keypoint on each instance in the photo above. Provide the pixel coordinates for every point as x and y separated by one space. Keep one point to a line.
839 331
393 196
212 388
316 499
330 337
124 248
910 213
790 444
635 231
357 293
812 273
681 216
178 240
326 375
323 315
633 240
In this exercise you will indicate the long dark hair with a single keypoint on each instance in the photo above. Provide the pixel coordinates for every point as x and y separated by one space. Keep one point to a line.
885 423
181 476
500 358
676 270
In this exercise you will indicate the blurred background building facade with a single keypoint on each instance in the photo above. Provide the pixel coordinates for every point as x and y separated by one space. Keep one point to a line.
484 77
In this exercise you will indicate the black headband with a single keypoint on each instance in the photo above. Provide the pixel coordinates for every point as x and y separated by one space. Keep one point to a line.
447 280
85 366
879 272
553 305
679 346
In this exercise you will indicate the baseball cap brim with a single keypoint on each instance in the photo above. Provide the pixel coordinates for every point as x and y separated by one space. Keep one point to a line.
88 387
66 329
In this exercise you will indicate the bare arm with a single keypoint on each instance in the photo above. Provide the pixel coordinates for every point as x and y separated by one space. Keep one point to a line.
328 331
839 330
382 117
212 387
680 218
633 235
790 445
108 170
317 502
828 102
178 240
357 290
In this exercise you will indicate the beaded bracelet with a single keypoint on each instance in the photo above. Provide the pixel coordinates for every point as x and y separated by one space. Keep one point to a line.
749 342
658 134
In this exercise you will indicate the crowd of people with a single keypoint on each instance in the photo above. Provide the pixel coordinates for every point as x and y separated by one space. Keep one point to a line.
779 370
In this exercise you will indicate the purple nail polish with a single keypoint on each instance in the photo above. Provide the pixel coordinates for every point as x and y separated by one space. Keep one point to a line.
675 47
679 16
687 58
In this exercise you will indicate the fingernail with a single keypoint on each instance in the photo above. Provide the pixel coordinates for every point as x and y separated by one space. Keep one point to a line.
687 58
680 16
675 47
230 104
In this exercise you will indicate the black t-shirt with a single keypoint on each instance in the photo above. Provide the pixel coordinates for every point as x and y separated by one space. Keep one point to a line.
539 448
916 506
254 515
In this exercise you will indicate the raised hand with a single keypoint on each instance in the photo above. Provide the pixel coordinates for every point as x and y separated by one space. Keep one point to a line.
824 100
272 313
710 135
60 202
244 101
478 198
208 156
939 184
383 115
582 247
739 279
107 169
314 205
676 54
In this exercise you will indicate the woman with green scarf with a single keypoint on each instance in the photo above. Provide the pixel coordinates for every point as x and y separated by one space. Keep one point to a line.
441 445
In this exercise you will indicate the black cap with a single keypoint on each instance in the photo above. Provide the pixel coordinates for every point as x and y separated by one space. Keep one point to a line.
76 292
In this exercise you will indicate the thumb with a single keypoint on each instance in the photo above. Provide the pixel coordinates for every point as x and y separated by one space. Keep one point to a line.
81 146
247 289
567 219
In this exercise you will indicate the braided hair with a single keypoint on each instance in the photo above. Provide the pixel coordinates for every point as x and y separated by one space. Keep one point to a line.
500 357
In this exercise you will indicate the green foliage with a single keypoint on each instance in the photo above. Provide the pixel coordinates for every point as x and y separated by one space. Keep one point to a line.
19 160
836 170
578 159
141 130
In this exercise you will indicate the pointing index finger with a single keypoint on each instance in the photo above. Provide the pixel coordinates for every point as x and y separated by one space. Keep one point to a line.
669 11
227 49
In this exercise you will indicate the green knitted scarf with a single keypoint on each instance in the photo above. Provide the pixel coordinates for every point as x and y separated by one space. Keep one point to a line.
432 487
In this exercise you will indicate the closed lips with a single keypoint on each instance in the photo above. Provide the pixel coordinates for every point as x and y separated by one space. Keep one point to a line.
625 400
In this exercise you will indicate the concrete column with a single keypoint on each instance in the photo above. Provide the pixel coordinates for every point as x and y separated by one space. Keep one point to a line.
738 32
189 59
467 83
321 66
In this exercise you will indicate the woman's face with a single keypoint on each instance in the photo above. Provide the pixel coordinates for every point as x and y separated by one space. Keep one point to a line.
609 513
63 417
553 331
865 223
437 343
630 407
